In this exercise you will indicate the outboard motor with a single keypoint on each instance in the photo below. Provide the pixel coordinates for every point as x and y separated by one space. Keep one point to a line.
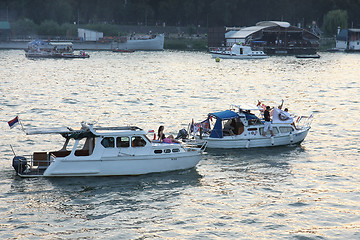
19 164
183 134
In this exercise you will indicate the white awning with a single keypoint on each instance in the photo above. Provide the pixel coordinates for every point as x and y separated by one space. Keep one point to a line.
246 106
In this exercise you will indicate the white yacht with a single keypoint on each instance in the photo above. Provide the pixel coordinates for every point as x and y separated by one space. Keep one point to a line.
239 128
105 151
237 51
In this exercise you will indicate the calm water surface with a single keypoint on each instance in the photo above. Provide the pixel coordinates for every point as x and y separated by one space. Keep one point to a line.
311 191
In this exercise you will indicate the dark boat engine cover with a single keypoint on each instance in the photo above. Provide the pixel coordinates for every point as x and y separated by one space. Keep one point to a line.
19 164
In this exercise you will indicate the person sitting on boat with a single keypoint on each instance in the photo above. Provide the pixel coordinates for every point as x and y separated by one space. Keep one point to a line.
268 124
229 127
162 138
287 114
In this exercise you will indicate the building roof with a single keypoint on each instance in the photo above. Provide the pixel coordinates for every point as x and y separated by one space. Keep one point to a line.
244 32
354 30
247 31
4 25
273 24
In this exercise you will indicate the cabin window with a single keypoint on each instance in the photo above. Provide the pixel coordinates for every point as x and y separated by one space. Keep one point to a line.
122 142
108 142
275 130
158 151
167 151
138 142
85 147
286 129
176 150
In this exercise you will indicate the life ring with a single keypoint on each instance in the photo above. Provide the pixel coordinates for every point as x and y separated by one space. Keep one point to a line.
283 117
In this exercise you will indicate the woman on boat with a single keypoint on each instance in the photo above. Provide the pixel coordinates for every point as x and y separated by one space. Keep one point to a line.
162 138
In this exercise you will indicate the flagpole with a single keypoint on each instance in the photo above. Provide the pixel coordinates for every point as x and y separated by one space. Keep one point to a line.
12 150
22 126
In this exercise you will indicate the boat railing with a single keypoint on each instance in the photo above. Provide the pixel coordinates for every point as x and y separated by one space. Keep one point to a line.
36 164
304 121
219 49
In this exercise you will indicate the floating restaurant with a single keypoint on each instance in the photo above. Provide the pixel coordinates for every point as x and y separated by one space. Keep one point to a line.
272 37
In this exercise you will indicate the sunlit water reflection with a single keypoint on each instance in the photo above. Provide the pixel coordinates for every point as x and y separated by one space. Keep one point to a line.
307 191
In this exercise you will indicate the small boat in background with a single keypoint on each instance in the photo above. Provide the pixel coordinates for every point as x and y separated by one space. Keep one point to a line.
105 151
41 49
308 56
237 51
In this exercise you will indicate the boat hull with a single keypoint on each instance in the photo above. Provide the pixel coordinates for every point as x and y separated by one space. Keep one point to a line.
228 56
118 166
255 142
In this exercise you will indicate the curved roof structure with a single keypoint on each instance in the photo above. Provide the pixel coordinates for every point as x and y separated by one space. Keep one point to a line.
266 25
273 24
244 32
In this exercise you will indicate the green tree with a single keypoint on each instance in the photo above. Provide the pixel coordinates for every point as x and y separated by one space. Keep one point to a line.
333 20
49 27
23 27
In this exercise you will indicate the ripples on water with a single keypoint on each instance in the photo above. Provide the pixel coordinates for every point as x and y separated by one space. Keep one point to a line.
299 192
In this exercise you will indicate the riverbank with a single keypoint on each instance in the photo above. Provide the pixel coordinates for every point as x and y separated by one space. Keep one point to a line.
169 42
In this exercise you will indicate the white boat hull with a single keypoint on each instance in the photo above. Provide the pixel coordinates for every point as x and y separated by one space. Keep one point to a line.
239 141
129 165
228 56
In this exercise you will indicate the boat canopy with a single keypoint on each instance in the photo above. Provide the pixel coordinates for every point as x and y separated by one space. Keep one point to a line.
217 131
225 115
64 131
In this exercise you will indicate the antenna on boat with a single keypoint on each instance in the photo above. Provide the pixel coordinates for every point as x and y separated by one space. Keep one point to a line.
13 150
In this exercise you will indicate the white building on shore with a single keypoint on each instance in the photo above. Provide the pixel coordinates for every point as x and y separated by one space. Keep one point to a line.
89 35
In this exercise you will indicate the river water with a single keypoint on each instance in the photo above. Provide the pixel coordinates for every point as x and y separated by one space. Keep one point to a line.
310 191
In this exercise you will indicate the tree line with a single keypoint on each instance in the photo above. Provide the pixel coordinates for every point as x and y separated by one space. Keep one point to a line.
204 13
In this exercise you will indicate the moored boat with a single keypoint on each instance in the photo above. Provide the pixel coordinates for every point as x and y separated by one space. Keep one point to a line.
239 128
41 49
237 51
308 56
105 151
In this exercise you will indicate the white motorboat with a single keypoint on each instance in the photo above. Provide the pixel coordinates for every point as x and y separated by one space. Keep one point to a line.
241 129
105 151
237 51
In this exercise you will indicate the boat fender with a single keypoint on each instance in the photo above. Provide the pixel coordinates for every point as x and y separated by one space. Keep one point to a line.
19 164
272 140
248 143
291 137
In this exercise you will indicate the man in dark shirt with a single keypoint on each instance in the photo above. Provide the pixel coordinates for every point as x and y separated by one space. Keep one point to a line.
268 124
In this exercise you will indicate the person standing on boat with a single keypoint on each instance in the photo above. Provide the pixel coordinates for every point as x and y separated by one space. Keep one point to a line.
268 124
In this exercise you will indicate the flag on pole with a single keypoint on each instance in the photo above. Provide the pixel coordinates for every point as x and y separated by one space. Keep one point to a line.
12 123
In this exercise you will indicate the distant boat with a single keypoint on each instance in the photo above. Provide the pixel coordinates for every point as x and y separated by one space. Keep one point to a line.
308 56
348 40
41 49
237 51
